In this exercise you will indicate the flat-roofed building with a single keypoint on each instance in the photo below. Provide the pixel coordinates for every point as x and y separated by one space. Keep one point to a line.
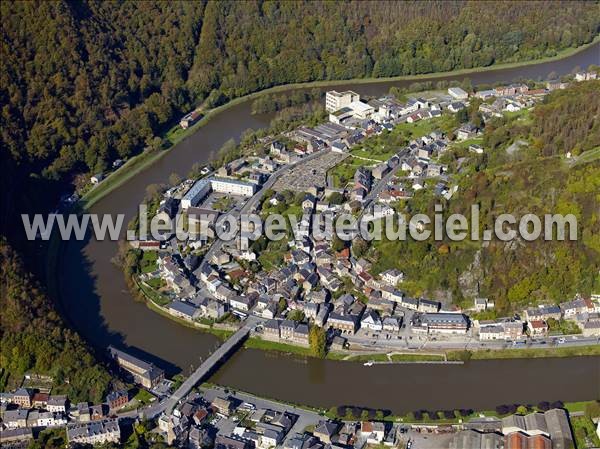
232 186
457 93
196 193
335 100
446 323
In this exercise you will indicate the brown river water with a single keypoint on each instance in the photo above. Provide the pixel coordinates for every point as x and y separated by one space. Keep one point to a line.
97 304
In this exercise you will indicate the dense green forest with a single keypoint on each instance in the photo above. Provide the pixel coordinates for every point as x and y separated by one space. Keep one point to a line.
34 339
538 179
87 82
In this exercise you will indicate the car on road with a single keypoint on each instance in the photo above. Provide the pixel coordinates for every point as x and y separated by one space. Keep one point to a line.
561 340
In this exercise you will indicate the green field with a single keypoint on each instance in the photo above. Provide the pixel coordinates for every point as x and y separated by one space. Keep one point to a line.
529 353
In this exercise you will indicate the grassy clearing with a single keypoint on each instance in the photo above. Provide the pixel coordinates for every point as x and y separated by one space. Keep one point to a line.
380 357
144 397
266 345
529 353
148 262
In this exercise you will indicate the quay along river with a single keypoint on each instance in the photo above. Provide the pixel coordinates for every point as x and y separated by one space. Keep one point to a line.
97 304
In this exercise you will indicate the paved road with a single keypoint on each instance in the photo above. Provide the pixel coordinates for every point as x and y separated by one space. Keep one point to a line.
253 202
424 342
382 183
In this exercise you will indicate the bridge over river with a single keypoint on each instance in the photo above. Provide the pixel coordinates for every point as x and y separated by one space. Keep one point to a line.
205 369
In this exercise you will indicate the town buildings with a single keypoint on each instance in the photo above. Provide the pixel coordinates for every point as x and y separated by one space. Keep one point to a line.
94 432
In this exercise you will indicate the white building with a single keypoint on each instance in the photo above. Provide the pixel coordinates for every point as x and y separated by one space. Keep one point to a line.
193 196
586 76
361 110
335 100
232 186
392 277
458 93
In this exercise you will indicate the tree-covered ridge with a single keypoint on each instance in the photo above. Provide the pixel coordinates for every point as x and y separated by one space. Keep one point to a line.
33 338
537 179
87 82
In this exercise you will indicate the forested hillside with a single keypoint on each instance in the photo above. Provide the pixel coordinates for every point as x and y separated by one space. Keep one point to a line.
537 179
34 339
87 82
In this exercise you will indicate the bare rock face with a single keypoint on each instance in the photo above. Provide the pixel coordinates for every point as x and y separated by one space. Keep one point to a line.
469 281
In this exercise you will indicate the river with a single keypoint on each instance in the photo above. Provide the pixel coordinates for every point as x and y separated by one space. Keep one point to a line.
97 304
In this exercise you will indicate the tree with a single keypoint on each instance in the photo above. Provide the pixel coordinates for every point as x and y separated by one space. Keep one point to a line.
174 179
281 305
337 244
296 315
359 247
318 341
336 198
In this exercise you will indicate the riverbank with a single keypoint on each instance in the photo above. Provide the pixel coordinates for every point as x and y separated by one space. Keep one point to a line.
526 353
175 134
418 417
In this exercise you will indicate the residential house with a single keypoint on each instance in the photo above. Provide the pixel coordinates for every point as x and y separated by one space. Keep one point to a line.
344 322
271 329
373 431
83 412
14 419
222 406
22 397
95 432
409 303
301 335
286 329
57 403
572 308
482 304
371 320
183 310
326 430
243 303
466 131
17 436
456 106
117 399
543 313
39 400
394 295
537 327
391 324
392 277
426 305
